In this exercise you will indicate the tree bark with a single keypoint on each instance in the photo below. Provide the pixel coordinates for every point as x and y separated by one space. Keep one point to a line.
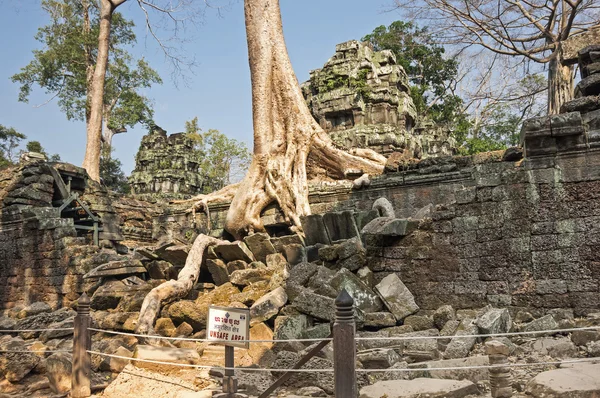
175 289
285 133
560 84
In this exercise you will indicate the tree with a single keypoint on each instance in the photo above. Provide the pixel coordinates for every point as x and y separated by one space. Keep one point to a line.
289 148
532 31
9 142
431 74
66 70
223 159
111 173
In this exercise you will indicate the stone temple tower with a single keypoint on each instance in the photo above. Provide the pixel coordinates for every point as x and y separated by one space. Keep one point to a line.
361 97
166 166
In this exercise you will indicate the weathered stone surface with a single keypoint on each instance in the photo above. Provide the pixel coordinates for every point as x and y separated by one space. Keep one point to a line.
319 331
58 369
386 226
366 276
396 297
583 337
379 319
313 304
378 358
544 323
110 294
236 266
301 274
476 372
580 381
55 331
164 354
364 298
117 268
164 327
290 327
351 254
268 306
588 86
494 321
323 380
340 226
295 254
556 348
419 322
417 388
314 229
460 347
33 309
260 245
158 269
218 271
442 315
7 323
42 321
248 276
15 366
234 251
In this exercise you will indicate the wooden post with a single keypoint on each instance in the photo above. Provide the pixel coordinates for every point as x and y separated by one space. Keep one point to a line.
230 382
344 347
81 386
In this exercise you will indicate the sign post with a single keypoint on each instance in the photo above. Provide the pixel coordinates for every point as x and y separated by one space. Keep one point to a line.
231 328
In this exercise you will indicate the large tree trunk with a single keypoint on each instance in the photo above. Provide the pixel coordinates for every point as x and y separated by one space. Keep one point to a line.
91 161
284 131
560 84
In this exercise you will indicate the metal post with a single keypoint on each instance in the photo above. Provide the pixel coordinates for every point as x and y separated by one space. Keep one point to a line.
344 347
230 382
81 386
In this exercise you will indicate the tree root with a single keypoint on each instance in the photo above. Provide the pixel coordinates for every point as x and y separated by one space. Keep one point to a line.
174 289
201 202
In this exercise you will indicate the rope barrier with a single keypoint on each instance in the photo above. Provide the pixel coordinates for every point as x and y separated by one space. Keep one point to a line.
34 330
468 336
515 365
206 340
32 352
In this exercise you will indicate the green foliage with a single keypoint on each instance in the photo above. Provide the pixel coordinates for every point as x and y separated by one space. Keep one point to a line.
222 160
429 72
9 142
69 53
358 83
35 146
111 173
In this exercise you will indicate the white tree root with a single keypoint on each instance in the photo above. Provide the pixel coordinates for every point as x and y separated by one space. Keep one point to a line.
174 289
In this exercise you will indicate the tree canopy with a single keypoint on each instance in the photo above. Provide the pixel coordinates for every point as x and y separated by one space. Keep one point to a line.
9 142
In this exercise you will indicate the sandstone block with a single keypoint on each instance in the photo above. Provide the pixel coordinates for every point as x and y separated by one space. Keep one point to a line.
417 388
268 306
378 358
260 245
396 297
494 321
58 370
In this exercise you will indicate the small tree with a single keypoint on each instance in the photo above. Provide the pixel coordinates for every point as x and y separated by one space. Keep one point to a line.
111 173
10 140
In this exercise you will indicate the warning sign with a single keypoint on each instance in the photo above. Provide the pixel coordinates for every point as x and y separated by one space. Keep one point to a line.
228 326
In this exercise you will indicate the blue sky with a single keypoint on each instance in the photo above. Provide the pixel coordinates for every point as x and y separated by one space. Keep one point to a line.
218 91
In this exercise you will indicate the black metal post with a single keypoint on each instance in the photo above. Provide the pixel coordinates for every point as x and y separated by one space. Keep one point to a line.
81 386
344 347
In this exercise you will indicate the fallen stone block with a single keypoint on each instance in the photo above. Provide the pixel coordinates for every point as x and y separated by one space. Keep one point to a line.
59 369
544 323
378 358
364 298
340 226
260 245
442 315
579 381
385 226
15 366
430 369
268 306
313 304
34 309
494 321
419 388
314 230
396 297
460 347
379 319
234 251
218 271
163 354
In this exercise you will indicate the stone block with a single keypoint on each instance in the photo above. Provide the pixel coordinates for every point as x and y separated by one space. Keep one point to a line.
396 297
295 254
362 218
379 319
421 387
494 321
319 331
475 373
378 358
385 226
268 306
460 347
290 327
163 354
117 268
580 380
366 276
340 226
234 251
313 304
314 230
589 85
218 271
544 323
248 276
364 298
442 315
236 265
260 245
59 368
419 322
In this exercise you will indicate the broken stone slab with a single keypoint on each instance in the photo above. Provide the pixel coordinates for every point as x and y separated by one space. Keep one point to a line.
320 282
174 253
378 358
460 347
281 241
301 273
588 86
544 323
556 348
583 104
290 326
163 354
159 269
59 369
15 366
432 369
494 321
340 225
260 245
583 337
442 315
234 251
314 230
249 276
386 226
117 268
396 297
366 276
236 266
420 349
566 124
364 298
351 254
218 271
379 319
313 304
34 309
268 306
323 380
362 218
418 388
319 331
578 381
419 322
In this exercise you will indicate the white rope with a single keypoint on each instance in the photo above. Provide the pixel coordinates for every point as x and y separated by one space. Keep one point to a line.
32 352
468 336
34 330
184 365
205 340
